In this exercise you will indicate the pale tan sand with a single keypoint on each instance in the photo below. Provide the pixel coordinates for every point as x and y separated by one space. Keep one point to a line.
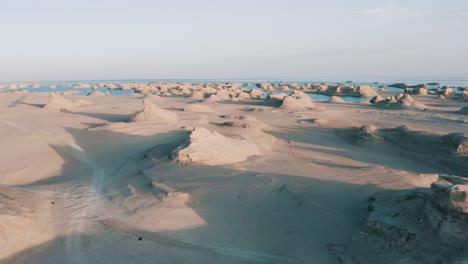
152 112
339 183
199 108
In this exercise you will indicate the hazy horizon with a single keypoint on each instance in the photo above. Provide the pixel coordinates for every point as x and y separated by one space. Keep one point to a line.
55 40
337 79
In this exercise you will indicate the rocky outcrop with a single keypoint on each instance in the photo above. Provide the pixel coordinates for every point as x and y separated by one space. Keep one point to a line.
256 94
450 198
457 143
212 148
274 99
297 101
429 222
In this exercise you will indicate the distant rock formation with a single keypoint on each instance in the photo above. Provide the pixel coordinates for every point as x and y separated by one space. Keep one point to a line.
297 101
364 91
405 85
446 91
336 100
274 99
399 101
256 94
418 91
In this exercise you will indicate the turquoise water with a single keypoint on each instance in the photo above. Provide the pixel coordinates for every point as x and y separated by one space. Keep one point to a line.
64 87
326 98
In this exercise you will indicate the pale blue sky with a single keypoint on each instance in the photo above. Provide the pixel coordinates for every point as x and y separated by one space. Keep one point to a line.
263 39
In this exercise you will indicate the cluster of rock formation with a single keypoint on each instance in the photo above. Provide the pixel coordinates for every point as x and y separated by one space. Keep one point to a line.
296 101
399 101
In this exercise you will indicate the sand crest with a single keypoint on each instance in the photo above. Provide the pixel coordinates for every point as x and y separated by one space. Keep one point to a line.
151 112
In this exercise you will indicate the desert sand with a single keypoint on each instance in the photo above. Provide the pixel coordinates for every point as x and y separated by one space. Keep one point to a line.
213 173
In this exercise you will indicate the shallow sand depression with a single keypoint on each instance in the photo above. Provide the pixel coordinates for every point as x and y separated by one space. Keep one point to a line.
167 176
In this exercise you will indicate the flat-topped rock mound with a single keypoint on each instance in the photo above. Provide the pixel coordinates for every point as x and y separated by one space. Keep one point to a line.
152 112
212 148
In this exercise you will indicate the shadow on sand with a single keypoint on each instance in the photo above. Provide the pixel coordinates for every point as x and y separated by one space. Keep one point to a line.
251 217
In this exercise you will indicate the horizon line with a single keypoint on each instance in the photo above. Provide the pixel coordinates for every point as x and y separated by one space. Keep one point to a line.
276 79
